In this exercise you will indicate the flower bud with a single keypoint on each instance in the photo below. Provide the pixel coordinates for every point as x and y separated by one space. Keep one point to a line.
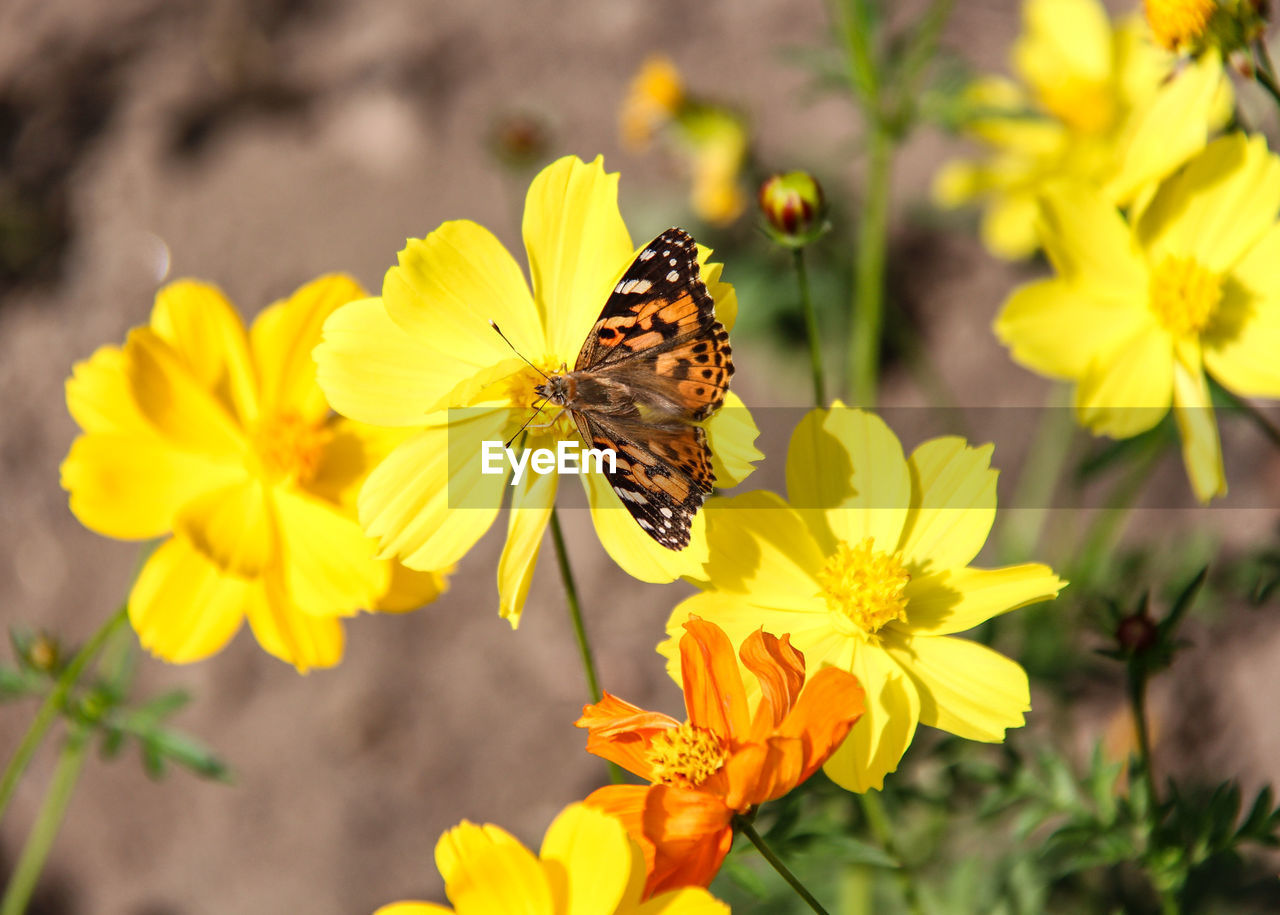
1136 633
794 208
520 140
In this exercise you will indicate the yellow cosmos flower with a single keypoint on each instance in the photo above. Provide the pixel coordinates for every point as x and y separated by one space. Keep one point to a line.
224 440
424 357
653 98
587 866
1099 104
1178 23
1139 312
866 565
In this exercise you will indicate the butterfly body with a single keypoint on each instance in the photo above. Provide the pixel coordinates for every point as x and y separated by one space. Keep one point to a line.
656 363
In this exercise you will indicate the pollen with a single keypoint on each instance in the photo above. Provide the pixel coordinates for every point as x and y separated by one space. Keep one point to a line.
1177 24
1184 295
686 756
290 447
864 586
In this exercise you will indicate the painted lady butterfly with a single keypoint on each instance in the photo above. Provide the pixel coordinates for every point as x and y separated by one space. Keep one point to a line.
656 363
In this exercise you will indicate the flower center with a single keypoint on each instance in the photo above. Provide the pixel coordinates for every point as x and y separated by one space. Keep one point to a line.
289 446
864 586
686 756
1184 295
1083 105
1178 22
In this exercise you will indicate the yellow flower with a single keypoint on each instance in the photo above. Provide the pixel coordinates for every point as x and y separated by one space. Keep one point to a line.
1178 23
653 98
424 357
587 866
1097 104
224 440
866 565
1140 311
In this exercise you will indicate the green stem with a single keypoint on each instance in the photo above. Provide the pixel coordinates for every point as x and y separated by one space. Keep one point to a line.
868 280
878 820
1138 707
1024 520
1263 70
811 325
40 840
1110 519
53 705
744 826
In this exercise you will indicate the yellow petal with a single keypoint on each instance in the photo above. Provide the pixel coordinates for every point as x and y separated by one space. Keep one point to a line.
1241 343
847 478
876 743
1063 40
639 555
99 397
725 296
955 507
1217 207
1201 449
133 486
591 861
532 502
1008 228
487 872
410 589
1057 329
953 600
302 639
282 339
231 527
428 503
1091 247
693 900
731 435
577 246
413 908
208 337
183 607
1168 129
374 371
329 565
1131 391
175 401
965 688
451 284
759 546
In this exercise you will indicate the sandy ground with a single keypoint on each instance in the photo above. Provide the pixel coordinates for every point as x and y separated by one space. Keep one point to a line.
260 144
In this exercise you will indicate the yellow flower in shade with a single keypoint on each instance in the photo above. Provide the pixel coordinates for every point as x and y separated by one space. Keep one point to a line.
587 866
1099 104
866 565
424 357
223 439
1139 312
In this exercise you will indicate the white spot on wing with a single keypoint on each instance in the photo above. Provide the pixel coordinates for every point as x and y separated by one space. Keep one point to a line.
673 276
648 254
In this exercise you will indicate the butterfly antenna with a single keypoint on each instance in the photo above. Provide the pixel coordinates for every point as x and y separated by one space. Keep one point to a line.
494 325
537 408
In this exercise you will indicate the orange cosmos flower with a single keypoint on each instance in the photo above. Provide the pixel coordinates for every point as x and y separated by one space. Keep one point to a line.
724 760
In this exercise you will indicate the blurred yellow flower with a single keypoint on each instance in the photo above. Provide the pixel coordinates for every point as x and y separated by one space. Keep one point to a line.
587 866
711 140
224 440
1178 23
424 357
1139 312
866 565
1099 104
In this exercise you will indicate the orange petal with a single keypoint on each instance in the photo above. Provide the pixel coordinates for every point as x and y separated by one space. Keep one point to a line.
713 692
830 704
780 669
690 832
621 732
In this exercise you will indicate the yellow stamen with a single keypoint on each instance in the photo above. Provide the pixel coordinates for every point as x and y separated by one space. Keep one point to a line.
686 756
1184 295
289 447
864 586
1179 23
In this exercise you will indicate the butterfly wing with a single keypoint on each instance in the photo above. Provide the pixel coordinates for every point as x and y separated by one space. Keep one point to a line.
662 473
658 332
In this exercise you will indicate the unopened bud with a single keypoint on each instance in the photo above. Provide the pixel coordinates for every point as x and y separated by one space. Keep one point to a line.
1136 633
794 208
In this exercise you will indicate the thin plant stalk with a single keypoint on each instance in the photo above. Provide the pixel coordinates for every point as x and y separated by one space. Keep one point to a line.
744 826
878 820
811 327
869 266
1260 419
1263 71
53 705
1138 706
40 840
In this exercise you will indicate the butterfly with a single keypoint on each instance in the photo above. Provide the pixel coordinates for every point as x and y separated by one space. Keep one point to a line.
656 363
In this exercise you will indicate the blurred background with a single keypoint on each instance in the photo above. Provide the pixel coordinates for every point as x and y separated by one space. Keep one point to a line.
259 143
